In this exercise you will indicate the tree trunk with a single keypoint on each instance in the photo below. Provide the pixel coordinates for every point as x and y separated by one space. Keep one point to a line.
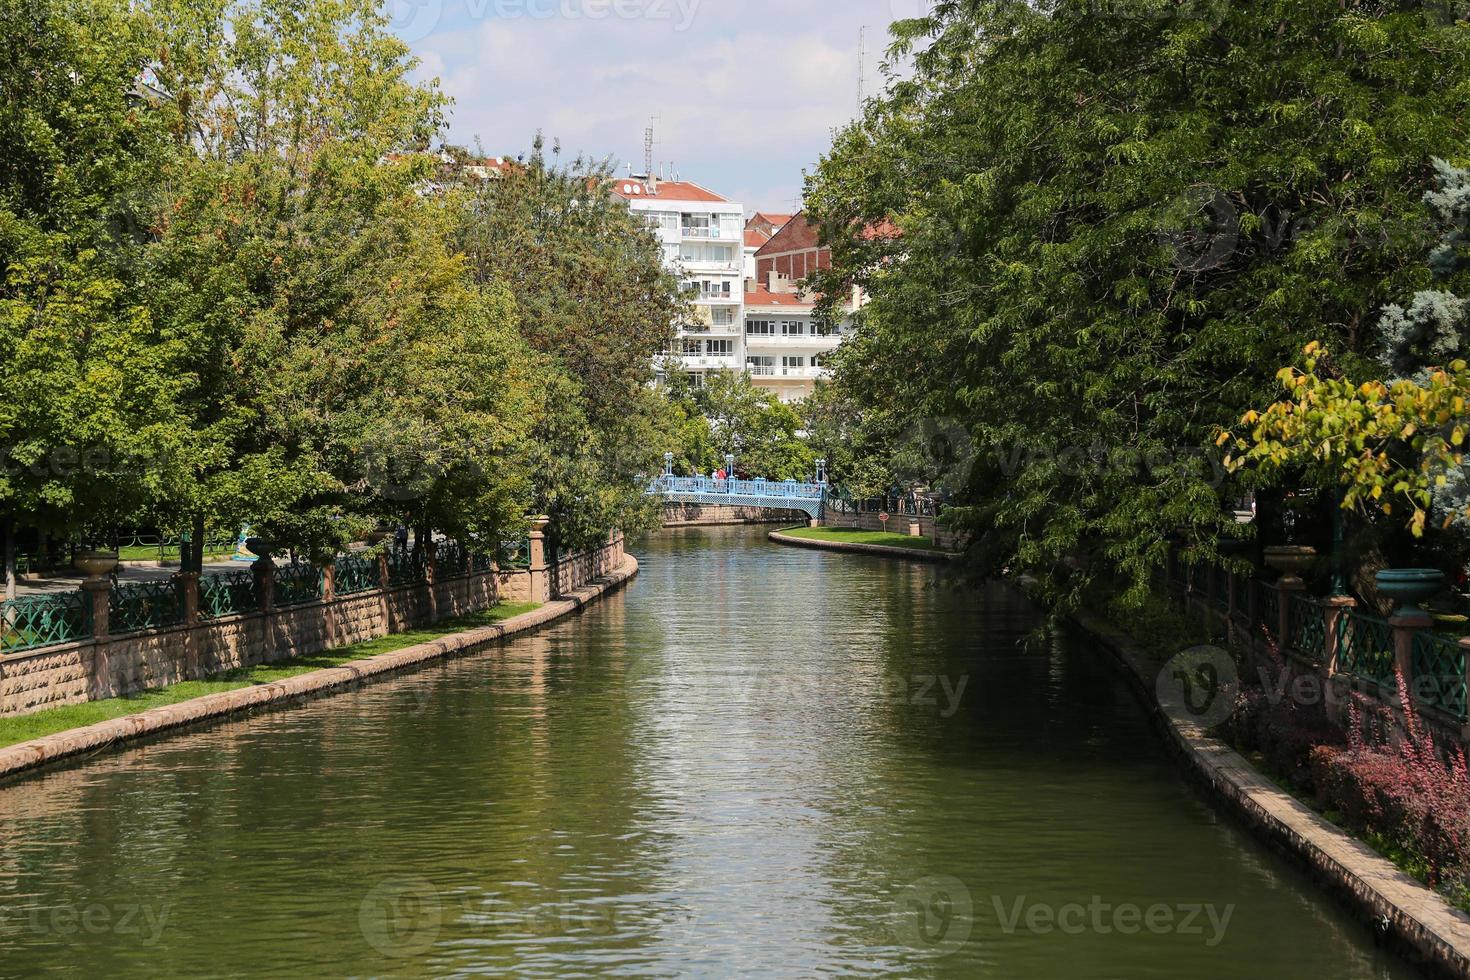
9 558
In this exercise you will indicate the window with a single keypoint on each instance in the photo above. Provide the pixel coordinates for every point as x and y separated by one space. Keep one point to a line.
793 328
691 348
761 328
713 289
700 226
723 316
719 348
706 252
791 364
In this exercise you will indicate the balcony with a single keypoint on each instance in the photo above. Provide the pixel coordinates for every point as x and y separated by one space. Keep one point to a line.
815 342
710 233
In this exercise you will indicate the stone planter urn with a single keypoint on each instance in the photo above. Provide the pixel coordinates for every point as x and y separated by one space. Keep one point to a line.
1291 560
259 547
1410 586
96 565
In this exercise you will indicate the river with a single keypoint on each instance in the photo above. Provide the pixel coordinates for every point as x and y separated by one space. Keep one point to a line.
754 759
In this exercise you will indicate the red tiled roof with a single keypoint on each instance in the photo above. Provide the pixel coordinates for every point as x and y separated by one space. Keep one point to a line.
764 297
755 238
634 189
778 220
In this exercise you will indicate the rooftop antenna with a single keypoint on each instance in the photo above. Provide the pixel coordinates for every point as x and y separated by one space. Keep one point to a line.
862 87
648 147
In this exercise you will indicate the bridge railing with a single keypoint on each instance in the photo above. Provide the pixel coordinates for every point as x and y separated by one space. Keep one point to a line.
784 489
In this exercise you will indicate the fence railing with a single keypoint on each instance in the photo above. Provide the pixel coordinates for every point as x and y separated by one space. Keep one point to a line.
1307 622
297 584
1439 673
144 606
515 555
54 618
228 594
1356 643
405 568
42 621
1365 647
355 574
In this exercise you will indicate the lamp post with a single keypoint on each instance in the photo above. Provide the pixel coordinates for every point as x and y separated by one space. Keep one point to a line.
668 464
821 472
729 472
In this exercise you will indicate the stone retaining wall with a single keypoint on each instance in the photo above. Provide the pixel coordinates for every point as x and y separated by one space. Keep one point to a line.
1416 921
707 515
897 524
109 666
27 757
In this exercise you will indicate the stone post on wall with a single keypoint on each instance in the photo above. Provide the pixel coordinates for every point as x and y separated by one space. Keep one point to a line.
541 585
1286 587
264 571
329 602
99 592
188 585
1405 628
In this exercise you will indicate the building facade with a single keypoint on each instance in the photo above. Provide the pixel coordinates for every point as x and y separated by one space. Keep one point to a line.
703 239
786 345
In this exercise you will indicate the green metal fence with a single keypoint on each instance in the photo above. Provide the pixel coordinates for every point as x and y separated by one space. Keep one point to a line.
1439 673
1268 607
356 574
228 594
297 584
515 555
1365 647
144 606
1308 624
405 568
451 560
45 620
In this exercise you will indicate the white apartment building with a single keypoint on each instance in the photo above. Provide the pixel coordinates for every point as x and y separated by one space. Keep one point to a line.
703 238
785 344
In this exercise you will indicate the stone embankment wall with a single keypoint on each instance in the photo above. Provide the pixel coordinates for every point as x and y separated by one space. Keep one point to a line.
107 666
897 524
709 515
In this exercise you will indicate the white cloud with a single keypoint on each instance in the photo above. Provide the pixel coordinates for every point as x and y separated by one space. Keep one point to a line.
747 96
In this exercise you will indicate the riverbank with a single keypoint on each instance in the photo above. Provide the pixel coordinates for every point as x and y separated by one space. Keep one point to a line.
16 760
882 543
1418 921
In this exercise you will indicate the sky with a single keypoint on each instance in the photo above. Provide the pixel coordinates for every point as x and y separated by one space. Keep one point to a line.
743 94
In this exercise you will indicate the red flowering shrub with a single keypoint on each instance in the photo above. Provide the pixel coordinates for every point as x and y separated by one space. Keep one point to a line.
1388 780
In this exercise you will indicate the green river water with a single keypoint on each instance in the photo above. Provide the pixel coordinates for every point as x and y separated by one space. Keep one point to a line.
755 760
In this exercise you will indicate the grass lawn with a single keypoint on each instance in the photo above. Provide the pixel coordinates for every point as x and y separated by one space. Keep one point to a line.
53 720
885 539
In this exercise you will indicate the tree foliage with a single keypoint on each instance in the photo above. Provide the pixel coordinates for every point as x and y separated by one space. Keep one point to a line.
1115 223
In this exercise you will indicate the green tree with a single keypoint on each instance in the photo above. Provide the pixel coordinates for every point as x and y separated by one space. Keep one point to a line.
1174 200
754 426
87 390
595 298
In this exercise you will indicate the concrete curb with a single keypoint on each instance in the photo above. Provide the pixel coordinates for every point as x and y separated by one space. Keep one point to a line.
909 554
19 759
1413 918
